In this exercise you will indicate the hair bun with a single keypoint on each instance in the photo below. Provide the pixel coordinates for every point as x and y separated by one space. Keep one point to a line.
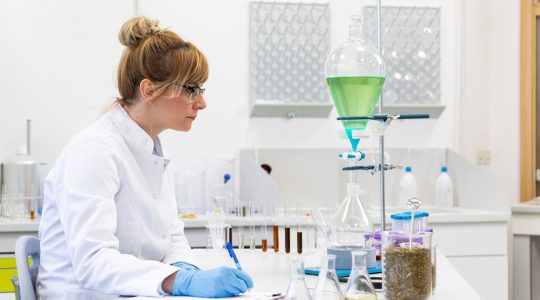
136 30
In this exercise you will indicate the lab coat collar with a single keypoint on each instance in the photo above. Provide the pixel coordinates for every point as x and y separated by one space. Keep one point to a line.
134 134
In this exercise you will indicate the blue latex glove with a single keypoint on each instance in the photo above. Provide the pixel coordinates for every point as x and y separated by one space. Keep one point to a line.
213 283
184 265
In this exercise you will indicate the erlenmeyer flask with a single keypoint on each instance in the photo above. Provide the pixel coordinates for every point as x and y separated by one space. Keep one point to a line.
297 289
327 283
359 286
355 73
351 224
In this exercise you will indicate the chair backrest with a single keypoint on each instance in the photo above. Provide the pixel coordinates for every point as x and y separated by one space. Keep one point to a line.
27 269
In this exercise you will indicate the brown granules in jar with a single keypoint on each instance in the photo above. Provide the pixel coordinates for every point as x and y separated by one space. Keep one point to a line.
407 273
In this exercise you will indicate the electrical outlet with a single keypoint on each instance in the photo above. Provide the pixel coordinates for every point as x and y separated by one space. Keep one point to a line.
483 157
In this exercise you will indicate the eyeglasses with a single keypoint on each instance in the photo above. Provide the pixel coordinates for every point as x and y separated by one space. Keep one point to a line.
194 92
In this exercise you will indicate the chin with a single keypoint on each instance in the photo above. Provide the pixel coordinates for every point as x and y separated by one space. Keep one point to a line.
183 127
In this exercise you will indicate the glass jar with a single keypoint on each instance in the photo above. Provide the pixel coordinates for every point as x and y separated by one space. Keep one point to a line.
407 266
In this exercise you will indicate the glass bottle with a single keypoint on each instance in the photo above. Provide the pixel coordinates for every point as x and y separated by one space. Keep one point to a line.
359 286
328 283
355 73
297 289
351 223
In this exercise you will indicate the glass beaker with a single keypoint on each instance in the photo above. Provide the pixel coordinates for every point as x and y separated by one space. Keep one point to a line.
189 192
433 267
327 282
407 267
355 73
359 286
351 223
297 289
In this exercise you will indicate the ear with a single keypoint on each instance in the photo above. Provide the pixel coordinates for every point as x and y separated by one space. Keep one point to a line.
146 88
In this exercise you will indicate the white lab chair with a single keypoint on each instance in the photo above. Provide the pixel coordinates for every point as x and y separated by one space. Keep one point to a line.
27 246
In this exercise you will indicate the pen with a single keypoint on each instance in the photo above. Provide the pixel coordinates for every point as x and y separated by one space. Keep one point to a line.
233 255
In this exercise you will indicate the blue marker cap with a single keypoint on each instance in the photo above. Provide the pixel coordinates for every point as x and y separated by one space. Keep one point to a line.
408 169
226 177
444 169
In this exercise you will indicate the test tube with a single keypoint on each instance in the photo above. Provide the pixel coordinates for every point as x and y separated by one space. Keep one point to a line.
229 234
241 237
287 239
264 245
299 245
252 237
299 242
276 238
264 241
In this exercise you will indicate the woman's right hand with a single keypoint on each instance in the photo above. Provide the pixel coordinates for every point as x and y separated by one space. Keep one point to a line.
213 283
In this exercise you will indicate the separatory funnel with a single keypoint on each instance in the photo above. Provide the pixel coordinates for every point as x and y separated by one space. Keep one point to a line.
355 73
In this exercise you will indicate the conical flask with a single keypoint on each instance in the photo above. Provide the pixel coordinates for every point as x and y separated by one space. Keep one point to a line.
351 224
327 283
297 289
355 73
359 286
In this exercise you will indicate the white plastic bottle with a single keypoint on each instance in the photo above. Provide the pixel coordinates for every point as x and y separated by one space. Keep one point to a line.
407 187
444 190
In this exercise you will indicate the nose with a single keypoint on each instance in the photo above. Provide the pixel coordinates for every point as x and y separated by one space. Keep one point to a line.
201 102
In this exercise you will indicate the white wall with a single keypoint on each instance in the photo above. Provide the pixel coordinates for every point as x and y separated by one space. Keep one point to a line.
489 104
57 67
58 61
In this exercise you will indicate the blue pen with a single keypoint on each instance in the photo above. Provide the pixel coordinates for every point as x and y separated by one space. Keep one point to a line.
233 255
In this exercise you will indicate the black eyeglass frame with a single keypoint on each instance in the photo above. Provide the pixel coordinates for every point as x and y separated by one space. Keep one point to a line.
194 92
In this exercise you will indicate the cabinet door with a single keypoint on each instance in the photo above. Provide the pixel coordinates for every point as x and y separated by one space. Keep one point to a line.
488 275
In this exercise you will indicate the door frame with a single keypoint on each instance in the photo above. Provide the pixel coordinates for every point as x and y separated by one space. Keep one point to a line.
530 11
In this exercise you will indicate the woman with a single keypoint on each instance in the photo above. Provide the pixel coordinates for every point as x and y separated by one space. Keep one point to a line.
109 223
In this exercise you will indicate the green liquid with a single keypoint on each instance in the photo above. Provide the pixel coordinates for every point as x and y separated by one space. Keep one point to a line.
355 96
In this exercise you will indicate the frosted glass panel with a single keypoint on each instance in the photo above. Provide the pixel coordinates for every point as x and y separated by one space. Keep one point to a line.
411 48
288 46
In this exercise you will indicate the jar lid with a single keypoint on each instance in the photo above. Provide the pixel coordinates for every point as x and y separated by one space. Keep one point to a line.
407 215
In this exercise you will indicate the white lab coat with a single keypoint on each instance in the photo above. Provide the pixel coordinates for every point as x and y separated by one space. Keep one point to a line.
109 220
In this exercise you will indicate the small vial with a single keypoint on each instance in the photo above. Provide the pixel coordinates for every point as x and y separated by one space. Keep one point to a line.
287 239
299 242
251 242
241 240
229 235
276 238
264 245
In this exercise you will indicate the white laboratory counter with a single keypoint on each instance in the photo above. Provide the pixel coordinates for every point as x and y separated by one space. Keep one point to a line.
270 273
474 241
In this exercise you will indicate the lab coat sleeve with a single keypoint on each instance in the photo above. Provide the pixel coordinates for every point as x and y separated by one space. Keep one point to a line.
180 250
86 203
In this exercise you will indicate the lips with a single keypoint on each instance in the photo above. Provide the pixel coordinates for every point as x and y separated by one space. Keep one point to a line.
192 117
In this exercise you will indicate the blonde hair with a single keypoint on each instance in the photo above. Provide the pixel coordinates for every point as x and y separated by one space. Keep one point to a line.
158 55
